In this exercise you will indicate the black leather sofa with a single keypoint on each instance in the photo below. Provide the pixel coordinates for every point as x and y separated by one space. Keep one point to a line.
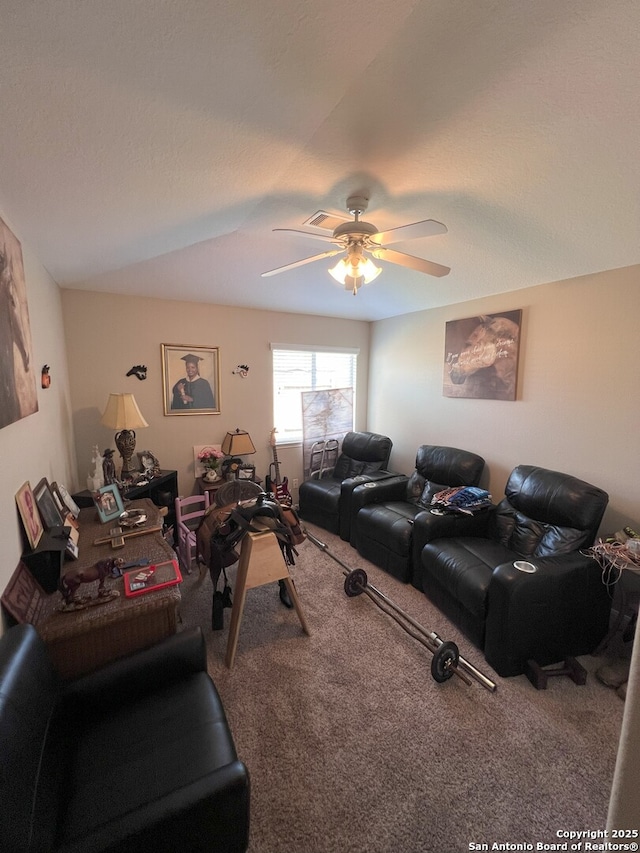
382 515
364 457
134 757
465 566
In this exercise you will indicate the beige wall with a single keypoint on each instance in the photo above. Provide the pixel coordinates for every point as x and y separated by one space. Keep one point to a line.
106 335
42 444
577 408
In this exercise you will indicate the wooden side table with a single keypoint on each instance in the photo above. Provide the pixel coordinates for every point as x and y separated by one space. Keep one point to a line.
211 488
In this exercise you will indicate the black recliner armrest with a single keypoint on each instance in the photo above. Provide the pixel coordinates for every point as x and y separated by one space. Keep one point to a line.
137 675
392 487
562 609
347 491
195 817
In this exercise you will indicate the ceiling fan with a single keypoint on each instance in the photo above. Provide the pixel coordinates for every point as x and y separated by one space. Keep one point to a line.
357 238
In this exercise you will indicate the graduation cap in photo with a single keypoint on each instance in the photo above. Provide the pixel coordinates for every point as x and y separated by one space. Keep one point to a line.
191 358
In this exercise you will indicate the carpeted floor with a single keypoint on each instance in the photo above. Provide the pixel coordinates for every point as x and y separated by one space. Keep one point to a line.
352 747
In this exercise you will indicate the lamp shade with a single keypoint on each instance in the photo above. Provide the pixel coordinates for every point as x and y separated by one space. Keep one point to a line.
354 271
237 443
122 412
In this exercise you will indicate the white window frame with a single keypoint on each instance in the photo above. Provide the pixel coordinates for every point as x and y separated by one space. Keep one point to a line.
287 436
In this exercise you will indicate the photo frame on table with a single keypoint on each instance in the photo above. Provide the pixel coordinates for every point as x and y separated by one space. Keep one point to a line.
31 520
49 512
190 379
62 509
68 501
158 576
108 502
149 463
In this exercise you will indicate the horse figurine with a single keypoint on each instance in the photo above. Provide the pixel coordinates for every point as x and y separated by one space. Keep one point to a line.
70 582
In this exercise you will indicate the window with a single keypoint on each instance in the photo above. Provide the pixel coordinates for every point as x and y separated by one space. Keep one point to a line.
299 368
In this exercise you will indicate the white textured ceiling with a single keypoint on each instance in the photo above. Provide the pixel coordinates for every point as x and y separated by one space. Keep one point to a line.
150 147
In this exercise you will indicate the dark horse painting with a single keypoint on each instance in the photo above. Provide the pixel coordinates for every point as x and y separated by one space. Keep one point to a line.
481 356
18 395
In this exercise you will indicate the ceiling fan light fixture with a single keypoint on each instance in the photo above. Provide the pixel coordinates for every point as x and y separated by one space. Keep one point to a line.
354 272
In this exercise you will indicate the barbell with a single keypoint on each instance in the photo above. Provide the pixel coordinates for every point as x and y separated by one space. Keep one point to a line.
446 661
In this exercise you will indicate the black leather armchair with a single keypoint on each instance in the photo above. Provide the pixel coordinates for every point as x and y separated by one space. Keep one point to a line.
383 514
134 757
325 501
466 567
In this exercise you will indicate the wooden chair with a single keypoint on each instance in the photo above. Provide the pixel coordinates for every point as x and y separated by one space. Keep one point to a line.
189 513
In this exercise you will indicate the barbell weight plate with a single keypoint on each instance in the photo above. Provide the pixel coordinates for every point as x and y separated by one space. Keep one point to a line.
443 661
355 582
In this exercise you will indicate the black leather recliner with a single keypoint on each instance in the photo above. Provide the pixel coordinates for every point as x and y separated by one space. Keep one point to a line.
383 514
137 756
364 457
466 568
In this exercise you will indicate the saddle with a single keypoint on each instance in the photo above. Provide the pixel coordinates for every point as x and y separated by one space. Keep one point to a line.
222 529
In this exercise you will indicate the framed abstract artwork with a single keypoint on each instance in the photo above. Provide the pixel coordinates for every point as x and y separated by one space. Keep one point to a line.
481 356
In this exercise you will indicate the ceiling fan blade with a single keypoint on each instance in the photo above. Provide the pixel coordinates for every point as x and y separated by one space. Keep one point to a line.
426 228
419 264
325 237
295 264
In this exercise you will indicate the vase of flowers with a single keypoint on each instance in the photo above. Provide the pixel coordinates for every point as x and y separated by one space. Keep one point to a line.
210 459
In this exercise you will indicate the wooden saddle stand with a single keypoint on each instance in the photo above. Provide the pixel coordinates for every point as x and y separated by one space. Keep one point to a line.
267 534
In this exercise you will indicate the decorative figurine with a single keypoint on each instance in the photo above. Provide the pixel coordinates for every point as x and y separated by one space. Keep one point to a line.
95 481
70 582
108 467
138 370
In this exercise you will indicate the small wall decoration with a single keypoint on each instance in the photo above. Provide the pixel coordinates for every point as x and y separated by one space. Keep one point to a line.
241 370
481 356
45 376
139 371
190 379
18 387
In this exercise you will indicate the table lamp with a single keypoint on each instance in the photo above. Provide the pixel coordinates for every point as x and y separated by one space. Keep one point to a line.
236 444
122 413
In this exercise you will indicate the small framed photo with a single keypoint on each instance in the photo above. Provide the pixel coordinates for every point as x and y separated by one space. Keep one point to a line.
190 379
62 509
158 576
148 463
72 550
108 502
69 502
51 515
246 472
29 514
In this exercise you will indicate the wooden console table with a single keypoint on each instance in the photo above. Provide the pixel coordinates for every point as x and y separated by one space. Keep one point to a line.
161 489
83 640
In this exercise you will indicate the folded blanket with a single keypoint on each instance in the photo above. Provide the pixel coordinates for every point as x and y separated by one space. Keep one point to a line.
465 499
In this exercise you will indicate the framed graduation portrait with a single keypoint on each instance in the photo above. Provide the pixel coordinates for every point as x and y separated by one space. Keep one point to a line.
190 379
